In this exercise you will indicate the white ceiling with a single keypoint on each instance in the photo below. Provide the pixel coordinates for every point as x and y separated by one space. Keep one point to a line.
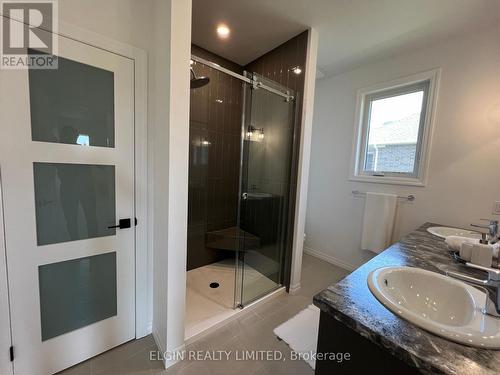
350 31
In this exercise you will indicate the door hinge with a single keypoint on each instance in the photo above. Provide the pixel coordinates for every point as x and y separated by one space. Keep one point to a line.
11 353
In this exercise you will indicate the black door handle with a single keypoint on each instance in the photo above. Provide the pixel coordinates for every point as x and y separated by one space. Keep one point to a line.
122 224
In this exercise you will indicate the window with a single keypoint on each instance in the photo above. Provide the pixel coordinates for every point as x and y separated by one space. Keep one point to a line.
394 121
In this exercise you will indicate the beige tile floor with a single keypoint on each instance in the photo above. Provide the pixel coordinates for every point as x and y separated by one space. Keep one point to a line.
251 331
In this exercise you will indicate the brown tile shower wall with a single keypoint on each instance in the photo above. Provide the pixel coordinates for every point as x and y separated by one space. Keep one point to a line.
214 157
215 130
278 66
278 63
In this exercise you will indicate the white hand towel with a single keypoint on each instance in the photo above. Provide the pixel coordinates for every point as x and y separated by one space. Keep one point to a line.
378 221
454 242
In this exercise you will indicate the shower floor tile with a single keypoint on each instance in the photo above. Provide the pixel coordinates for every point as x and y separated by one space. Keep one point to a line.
206 306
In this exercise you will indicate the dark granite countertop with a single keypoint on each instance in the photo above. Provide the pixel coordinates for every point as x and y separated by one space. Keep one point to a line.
351 302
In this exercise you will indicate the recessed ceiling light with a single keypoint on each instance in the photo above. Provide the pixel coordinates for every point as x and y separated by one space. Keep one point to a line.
223 31
297 70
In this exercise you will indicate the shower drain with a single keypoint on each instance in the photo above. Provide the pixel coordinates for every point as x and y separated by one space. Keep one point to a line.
214 285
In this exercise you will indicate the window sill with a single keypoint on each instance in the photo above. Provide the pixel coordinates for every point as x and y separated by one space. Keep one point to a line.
390 180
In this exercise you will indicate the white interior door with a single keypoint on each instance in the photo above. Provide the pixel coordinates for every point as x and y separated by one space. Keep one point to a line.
67 164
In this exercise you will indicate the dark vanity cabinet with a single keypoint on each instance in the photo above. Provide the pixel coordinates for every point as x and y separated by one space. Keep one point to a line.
364 356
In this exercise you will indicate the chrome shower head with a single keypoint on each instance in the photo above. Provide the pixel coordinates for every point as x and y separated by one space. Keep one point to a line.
197 82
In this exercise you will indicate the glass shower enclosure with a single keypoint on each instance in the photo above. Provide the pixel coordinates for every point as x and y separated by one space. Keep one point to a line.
254 180
265 175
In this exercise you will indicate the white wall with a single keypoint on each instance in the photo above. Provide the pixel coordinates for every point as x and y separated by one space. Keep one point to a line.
159 79
176 192
128 21
304 160
465 154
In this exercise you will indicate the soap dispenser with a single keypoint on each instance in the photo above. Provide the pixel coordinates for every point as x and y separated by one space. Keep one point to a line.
482 252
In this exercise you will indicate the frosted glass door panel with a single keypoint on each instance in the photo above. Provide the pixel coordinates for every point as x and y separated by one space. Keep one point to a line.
73 201
72 104
76 293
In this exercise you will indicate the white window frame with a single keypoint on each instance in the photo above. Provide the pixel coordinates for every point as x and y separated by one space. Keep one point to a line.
422 157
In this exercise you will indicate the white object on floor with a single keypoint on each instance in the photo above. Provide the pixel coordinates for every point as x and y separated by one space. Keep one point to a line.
378 221
444 232
301 333
455 242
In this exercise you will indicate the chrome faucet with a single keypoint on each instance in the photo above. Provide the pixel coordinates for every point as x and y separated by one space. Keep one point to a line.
491 285
492 226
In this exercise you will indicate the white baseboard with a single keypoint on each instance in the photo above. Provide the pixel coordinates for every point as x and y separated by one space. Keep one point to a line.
160 346
149 328
329 258
169 358
294 288
145 331
174 357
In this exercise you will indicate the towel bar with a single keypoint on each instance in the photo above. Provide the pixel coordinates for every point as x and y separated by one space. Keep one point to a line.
410 197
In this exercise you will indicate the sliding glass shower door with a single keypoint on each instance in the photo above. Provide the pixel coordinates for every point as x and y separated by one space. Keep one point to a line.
267 143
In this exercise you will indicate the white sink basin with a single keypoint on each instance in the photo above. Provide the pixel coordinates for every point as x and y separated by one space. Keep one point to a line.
444 232
444 306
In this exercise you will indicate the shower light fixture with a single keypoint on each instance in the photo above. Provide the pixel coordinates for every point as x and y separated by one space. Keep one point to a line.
297 70
261 133
223 31
252 129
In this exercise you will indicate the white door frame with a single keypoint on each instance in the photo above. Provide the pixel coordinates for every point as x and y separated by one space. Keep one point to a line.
5 331
143 250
